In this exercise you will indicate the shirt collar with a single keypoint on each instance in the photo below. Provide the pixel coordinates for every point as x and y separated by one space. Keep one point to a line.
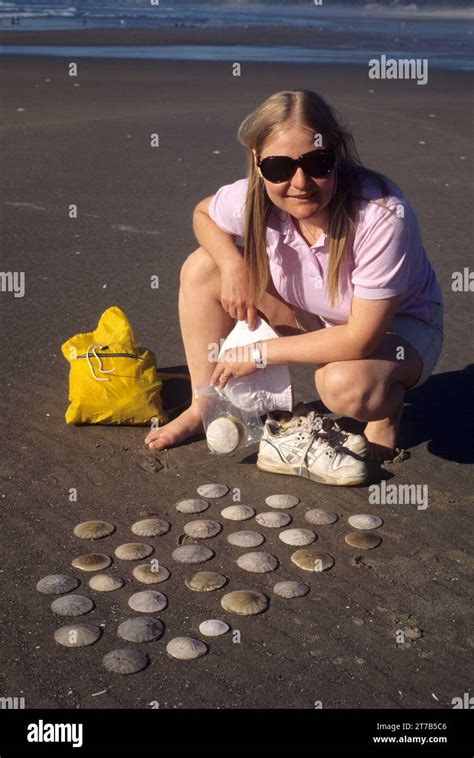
290 234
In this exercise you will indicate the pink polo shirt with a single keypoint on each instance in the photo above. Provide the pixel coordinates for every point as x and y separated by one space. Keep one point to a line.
385 255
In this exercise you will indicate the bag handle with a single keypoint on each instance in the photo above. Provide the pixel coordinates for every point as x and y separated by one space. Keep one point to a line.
92 348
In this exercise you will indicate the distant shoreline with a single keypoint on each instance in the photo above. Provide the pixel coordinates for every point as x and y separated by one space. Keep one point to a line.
258 34
257 43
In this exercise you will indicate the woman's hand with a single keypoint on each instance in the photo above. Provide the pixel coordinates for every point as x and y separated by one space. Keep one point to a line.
235 363
236 298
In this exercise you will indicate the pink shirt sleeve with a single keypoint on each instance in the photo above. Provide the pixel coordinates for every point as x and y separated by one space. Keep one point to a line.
382 251
227 207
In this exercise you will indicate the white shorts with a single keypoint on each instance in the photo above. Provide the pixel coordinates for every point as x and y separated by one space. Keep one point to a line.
425 339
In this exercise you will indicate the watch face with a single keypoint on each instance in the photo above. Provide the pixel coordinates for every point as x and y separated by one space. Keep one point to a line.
257 356
259 362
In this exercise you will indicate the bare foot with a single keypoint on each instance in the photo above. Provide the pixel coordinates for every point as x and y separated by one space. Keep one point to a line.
187 424
382 437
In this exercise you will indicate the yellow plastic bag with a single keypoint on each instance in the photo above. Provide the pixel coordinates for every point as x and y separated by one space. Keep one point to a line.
111 380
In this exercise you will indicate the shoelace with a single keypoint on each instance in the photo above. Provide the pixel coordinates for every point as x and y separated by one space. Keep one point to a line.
324 425
316 424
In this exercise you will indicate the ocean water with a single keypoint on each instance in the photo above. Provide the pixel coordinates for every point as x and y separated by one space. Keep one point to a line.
443 35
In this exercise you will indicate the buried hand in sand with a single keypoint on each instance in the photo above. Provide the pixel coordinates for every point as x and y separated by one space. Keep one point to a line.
332 259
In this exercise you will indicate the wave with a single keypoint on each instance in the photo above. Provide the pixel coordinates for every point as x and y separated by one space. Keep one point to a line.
414 11
276 53
231 16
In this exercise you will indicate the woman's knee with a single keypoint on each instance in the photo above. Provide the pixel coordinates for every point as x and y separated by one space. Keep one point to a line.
343 392
198 268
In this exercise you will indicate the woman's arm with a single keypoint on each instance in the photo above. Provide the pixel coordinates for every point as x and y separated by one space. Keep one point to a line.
236 297
359 338
219 244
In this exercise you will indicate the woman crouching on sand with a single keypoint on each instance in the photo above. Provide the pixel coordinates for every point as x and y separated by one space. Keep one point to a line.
332 259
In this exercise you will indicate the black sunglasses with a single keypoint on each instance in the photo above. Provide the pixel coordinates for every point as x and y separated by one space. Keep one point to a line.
280 168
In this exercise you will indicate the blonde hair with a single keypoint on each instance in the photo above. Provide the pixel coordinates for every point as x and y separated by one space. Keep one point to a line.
301 108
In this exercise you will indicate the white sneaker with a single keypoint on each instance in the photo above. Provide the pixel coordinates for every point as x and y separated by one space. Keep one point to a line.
356 444
305 450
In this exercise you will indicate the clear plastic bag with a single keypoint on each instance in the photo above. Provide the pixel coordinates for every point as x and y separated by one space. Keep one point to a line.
227 427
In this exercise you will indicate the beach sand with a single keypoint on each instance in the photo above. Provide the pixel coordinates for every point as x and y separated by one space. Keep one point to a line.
89 145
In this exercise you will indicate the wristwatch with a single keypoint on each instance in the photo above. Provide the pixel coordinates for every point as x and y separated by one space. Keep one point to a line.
257 356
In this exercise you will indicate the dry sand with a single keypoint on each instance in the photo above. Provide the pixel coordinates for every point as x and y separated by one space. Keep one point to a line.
89 145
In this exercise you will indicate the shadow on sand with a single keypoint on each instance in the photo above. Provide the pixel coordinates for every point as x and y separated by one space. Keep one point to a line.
441 413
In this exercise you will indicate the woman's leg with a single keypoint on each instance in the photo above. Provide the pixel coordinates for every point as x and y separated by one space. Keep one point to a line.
372 390
204 323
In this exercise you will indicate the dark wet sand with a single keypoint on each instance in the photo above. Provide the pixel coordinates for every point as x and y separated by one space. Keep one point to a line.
89 145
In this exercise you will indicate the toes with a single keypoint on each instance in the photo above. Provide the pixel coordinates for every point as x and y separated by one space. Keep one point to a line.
158 445
153 441
155 434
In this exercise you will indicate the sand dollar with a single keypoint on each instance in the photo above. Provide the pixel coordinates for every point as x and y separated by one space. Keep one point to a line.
202 529
93 530
363 540
151 527
245 539
125 661
258 563
319 517
192 554
77 635
273 519
212 490
133 551
297 536
282 501
245 602
151 573
364 521
290 589
310 559
141 629
225 434
148 601
186 648
91 562
192 505
57 584
238 512
205 581
105 582
213 627
72 605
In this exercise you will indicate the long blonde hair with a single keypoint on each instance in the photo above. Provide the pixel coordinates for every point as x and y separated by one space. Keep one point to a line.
304 108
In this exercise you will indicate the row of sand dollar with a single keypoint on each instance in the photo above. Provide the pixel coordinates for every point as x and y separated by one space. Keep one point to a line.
244 602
